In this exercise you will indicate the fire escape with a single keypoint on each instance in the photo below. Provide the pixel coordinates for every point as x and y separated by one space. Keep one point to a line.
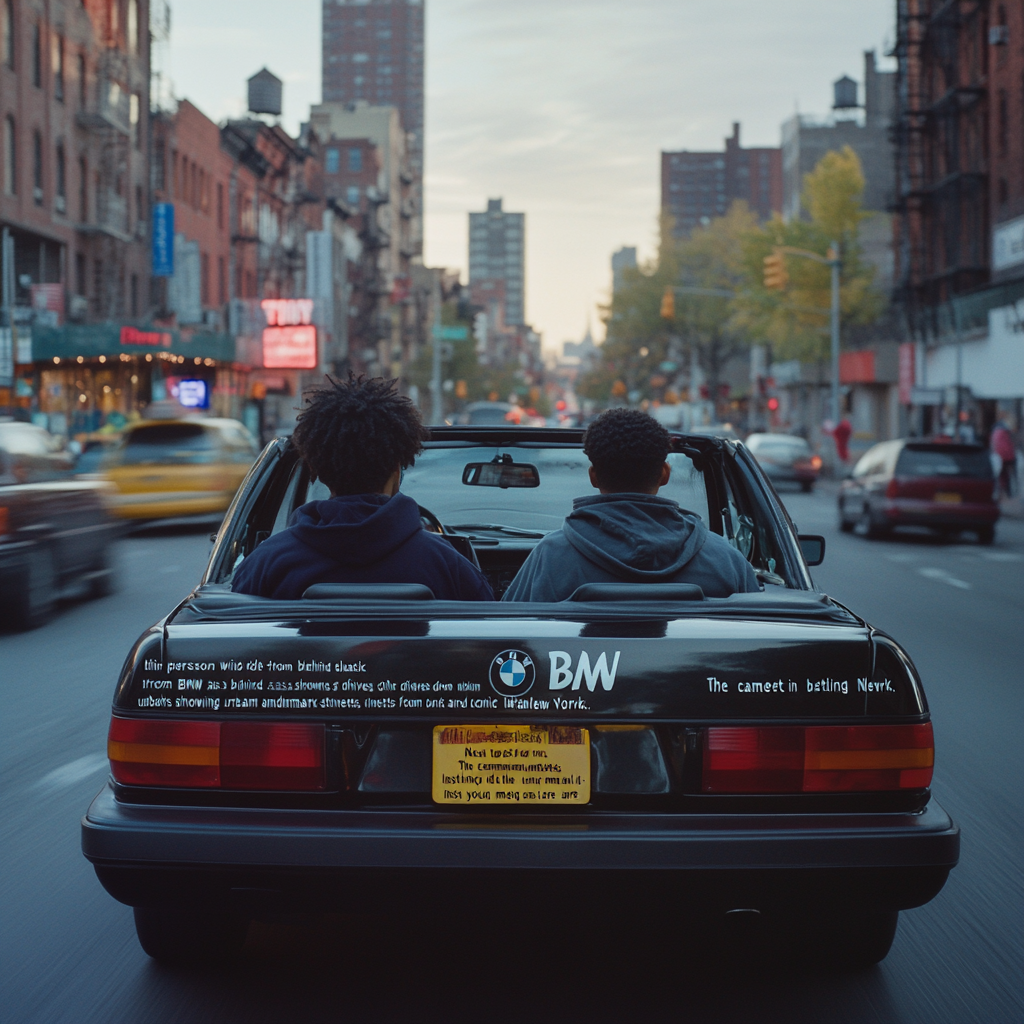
941 157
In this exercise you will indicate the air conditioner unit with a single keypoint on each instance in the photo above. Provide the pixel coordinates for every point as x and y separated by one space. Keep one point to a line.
998 35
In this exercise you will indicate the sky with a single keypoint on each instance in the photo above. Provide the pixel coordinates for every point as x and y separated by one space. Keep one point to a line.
559 107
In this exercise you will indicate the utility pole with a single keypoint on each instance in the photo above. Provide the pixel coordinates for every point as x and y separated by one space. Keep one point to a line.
436 409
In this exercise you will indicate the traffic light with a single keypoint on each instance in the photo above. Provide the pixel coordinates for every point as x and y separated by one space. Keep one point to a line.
775 275
668 304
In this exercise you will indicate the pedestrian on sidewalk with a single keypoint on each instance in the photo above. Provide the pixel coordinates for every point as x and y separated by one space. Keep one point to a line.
1001 444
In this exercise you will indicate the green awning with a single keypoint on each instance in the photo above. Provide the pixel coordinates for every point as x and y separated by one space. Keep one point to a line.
112 340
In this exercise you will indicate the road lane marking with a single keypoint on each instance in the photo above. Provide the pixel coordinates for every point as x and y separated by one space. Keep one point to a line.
72 772
902 557
943 577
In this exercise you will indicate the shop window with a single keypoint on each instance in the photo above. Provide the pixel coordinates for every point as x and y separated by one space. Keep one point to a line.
37 168
37 55
7 28
10 157
58 68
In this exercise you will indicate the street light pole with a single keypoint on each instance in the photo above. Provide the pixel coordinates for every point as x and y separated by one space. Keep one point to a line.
834 263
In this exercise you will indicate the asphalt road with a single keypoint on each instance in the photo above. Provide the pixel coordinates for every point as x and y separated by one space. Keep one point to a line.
68 952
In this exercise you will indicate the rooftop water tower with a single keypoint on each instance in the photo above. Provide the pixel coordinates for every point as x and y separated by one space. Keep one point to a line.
845 92
265 93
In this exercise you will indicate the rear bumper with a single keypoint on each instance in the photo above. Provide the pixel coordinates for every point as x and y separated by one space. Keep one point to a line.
164 504
930 513
247 848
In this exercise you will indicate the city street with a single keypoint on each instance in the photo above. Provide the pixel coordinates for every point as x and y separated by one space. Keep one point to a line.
69 952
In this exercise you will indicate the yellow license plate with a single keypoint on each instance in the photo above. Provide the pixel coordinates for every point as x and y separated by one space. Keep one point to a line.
948 497
528 765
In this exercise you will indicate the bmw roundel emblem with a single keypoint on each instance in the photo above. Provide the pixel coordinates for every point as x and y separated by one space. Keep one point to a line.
512 673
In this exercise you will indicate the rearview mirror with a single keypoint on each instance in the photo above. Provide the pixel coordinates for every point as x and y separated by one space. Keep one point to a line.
501 474
812 547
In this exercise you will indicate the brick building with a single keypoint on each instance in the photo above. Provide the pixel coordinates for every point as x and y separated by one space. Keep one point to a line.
74 103
696 187
373 53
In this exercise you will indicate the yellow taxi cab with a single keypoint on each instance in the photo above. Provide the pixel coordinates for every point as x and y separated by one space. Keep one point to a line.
179 467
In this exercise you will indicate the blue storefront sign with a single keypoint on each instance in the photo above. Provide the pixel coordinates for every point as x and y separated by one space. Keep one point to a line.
163 240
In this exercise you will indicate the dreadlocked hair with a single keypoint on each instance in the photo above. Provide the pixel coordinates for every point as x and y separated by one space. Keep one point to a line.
354 434
627 449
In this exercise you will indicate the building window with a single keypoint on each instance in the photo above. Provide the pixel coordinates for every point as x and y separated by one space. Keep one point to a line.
352 195
355 160
133 298
10 158
220 205
79 273
7 28
140 211
58 68
159 166
332 163
97 287
83 199
1002 191
133 26
222 281
37 56
60 202
83 84
204 278
134 108
37 168
1002 123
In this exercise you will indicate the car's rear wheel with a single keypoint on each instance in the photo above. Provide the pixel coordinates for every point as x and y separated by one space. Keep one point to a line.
870 527
190 936
986 534
846 525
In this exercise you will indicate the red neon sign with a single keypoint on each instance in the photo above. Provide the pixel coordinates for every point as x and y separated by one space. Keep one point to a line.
133 336
290 348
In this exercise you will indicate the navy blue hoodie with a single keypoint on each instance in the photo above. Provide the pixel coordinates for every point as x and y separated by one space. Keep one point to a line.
630 538
358 538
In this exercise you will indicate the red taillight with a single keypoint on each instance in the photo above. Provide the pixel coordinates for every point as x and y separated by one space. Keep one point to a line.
892 489
815 462
817 759
228 755
4 520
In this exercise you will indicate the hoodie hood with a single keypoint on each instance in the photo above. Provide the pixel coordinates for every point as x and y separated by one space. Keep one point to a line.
638 537
357 529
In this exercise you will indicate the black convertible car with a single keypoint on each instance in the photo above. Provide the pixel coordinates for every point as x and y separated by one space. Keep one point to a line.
371 748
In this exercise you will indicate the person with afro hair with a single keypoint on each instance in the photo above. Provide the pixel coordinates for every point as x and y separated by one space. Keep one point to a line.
357 437
626 533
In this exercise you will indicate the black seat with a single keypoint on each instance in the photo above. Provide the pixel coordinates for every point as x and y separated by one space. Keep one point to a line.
369 592
637 592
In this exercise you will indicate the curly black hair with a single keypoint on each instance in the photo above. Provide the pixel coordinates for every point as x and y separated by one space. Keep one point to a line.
354 434
627 449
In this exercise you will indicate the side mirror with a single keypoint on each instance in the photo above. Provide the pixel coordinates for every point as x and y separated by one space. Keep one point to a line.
812 547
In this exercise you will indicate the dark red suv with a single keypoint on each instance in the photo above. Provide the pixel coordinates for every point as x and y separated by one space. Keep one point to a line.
949 487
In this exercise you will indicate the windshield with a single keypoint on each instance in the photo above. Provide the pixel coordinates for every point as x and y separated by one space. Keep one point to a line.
782 447
171 444
435 482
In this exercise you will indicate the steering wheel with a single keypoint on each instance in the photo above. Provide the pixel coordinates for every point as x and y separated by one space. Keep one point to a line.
430 522
463 545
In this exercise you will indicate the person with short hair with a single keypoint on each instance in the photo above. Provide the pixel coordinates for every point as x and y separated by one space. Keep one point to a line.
357 437
626 533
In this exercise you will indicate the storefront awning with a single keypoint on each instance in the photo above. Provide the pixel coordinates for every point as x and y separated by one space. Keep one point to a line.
93 340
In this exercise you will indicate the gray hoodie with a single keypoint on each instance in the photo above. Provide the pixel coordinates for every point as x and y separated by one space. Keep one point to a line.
630 538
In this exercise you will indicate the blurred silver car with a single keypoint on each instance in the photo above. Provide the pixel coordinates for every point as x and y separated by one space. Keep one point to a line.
785 458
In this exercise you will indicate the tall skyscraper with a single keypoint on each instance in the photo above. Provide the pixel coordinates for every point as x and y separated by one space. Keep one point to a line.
497 247
697 187
373 52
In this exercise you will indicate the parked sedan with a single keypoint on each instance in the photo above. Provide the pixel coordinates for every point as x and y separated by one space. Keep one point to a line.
949 487
55 532
179 468
784 457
